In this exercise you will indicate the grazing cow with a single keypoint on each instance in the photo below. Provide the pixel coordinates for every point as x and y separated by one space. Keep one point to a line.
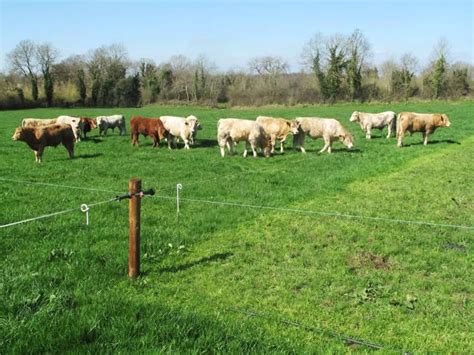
114 121
46 136
35 122
74 122
328 128
231 131
426 123
86 125
380 120
277 128
152 127
180 127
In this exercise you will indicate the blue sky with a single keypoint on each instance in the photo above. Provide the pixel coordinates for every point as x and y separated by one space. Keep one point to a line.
231 32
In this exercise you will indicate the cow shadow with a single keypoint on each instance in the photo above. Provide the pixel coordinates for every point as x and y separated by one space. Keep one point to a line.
350 151
206 143
438 141
93 139
205 260
88 156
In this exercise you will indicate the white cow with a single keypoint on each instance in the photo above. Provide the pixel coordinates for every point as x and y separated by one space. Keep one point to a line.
277 129
328 128
35 122
380 120
114 121
180 127
231 131
74 122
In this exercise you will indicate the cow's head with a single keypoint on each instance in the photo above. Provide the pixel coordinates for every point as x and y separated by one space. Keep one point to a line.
90 121
194 123
294 126
445 120
17 135
354 116
347 140
266 144
99 121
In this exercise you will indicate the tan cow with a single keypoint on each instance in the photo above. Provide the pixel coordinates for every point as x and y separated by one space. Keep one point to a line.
380 120
35 122
328 128
426 123
277 129
46 136
231 131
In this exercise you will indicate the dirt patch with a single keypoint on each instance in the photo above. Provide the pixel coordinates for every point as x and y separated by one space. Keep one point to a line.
369 260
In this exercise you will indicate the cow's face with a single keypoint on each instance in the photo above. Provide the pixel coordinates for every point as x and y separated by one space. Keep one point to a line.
354 116
267 146
445 120
294 126
17 135
347 140
92 122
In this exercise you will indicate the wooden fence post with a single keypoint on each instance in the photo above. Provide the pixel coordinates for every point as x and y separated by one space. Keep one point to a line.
134 187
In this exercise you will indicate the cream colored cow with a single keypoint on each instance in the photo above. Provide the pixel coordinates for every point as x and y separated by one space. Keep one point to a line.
327 128
277 129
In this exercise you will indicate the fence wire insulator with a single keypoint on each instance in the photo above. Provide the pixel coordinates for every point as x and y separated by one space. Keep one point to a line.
149 192
85 209
178 188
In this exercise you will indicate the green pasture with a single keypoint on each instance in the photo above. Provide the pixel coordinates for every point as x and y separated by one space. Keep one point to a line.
223 278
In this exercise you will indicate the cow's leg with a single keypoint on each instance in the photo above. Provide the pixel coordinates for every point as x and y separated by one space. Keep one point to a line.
186 143
327 145
400 135
282 142
254 150
368 132
70 150
222 144
36 156
425 137
389 134
272 142
39 155
246 147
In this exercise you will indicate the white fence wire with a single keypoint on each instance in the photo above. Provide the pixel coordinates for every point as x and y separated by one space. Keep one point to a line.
238 204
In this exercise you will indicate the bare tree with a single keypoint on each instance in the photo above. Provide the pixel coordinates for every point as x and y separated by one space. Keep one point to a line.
268 65
23 60
183 78
46 56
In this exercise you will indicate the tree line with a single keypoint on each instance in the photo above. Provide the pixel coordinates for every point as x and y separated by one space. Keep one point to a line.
336 68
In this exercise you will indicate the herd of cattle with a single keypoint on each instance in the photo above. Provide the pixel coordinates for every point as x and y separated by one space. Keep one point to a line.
263 133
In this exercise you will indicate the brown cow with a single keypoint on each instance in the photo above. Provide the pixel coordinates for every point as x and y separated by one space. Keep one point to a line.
46 136
152 127
86 125
426 123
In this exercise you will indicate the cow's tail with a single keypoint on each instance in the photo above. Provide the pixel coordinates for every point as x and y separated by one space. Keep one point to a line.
394 123
398 124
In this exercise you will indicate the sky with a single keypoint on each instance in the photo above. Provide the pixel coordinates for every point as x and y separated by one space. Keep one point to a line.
230 33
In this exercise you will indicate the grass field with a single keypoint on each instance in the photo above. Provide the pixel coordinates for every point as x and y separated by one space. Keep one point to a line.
310 280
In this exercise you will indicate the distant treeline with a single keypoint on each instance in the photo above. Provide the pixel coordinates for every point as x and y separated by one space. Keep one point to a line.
337 68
